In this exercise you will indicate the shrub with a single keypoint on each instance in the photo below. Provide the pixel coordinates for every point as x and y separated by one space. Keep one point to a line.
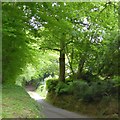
61 88
79 88
98 90
116 79
41 90
88 95
71 87
112 86
51 84
64 88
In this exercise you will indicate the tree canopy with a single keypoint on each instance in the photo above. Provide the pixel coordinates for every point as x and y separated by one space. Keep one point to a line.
83 35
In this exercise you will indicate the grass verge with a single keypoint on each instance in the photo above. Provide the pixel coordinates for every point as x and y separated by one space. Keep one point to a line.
0 101
106 108
16 103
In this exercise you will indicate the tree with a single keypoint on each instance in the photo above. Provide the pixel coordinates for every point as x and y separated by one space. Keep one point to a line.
82 33
15 48
90 43
51 19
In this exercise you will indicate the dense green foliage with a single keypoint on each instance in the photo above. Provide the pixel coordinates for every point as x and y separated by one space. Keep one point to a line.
88 92
46 65
14 46
51 84
87 35
82 38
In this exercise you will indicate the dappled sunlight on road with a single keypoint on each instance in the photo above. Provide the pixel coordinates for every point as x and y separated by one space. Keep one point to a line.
35 96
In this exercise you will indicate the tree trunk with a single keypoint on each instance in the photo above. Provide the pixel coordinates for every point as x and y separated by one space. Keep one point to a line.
80 67
62 61
70 61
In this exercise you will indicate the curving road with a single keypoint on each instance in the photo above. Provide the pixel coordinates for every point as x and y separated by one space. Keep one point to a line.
51 111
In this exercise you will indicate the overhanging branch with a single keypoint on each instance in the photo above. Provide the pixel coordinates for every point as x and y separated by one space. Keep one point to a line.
55 49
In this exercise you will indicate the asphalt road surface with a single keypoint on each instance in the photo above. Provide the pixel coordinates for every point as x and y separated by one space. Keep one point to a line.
51 111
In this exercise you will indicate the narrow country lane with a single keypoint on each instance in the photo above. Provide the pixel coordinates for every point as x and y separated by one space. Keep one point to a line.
51 111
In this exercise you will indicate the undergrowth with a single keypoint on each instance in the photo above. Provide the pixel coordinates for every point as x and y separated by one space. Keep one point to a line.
97 98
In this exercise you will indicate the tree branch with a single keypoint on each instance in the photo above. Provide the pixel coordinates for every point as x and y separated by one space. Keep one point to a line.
50 49
105 6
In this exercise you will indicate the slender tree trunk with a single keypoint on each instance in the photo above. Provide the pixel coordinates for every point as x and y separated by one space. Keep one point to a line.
62 61
80 67
70 61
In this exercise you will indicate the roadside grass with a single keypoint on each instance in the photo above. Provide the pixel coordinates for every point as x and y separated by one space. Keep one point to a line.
16 103
0 102
107 108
